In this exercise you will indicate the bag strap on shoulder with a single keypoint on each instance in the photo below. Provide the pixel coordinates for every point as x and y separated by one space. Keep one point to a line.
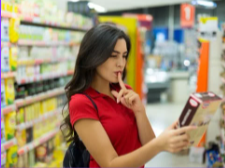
95 106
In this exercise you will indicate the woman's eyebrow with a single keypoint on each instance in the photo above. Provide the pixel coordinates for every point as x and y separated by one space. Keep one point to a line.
119 52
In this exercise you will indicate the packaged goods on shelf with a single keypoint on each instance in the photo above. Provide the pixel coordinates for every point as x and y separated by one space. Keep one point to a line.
10 125
11 156
5 59
2 129
14 29
13 54
3 100
9 91
4 29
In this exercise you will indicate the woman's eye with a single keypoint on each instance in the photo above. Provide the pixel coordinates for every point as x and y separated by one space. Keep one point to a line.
125 56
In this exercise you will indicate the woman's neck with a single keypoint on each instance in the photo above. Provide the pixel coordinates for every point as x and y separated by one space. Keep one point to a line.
101 86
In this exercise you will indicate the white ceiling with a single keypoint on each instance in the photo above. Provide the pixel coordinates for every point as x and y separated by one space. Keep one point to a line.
115 5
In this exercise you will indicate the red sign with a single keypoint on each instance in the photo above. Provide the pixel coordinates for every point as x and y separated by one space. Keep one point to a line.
187 18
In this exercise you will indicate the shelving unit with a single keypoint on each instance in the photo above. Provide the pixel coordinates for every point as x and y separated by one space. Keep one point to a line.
57 44
40 97
38 78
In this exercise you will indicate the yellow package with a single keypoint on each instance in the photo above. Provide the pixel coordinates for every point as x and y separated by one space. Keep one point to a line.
9 7
10 125
3 6
11 156
13 53
20 116
21 138
9 91
14 24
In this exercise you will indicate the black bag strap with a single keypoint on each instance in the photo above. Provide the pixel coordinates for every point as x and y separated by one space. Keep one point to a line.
95 106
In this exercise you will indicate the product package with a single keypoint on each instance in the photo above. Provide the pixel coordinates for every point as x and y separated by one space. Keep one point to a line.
21 138
10 125
5 59
4 29
13 58
11 159
14 29
3 100
10 91
2 129
198 111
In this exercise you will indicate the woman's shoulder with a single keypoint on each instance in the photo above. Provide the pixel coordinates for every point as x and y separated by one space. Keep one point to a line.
79 100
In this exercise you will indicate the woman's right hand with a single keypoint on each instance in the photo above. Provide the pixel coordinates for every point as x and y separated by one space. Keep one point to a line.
174 139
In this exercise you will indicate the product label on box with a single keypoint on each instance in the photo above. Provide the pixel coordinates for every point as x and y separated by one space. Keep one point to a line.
199 111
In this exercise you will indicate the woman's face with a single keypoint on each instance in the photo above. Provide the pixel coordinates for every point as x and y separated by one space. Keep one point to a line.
114 64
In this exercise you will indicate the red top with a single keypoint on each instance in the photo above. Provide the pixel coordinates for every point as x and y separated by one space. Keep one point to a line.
118 121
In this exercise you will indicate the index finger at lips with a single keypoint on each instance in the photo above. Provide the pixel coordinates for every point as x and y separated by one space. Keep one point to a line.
121 82
185 129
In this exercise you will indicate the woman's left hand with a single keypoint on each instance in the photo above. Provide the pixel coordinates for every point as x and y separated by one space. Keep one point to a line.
128 97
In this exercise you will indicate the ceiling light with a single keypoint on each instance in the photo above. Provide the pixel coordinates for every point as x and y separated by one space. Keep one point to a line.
98 8
205 3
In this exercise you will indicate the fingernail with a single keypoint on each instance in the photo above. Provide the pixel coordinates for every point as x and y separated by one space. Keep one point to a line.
117 101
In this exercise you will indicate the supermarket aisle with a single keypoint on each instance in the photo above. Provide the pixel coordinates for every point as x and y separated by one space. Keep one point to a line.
161 116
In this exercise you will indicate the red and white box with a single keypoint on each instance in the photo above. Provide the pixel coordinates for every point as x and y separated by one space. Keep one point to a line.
199 111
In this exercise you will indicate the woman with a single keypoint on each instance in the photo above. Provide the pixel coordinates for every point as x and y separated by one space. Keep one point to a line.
118 134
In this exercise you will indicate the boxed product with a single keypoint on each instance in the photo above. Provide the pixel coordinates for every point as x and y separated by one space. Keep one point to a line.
14 29
198 111
11 158
10 125
4 29
21 138
13 58
5 59
10 91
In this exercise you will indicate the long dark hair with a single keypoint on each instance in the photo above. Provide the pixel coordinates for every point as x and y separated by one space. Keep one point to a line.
96 47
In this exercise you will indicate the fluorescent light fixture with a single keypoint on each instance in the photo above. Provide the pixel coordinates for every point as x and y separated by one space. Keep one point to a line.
205 3
98 8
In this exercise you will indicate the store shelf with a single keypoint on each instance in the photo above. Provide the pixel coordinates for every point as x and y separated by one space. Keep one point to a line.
31 21
41 61
3 158
8 109
44 43
8 75
40 97
40 119
38 78
38 22
223 46
37 142
5 44
8 14
8 144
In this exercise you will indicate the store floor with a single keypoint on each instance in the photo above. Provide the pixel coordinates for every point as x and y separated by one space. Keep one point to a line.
162 116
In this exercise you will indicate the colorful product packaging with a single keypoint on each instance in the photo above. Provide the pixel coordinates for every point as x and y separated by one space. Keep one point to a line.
10 125
13 58
5 59
9 90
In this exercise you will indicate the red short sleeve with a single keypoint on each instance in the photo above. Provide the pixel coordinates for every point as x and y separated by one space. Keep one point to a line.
128 87
80 107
